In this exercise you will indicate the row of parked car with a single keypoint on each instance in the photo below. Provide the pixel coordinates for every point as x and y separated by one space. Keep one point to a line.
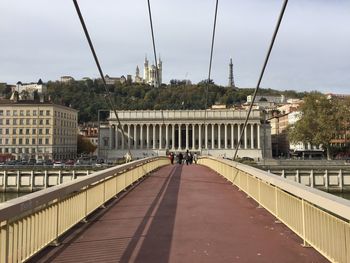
62 163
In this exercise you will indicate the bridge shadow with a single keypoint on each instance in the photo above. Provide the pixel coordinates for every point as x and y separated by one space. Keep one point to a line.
152 240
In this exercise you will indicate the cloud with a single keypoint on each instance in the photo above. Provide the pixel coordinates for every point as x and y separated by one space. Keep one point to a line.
44 39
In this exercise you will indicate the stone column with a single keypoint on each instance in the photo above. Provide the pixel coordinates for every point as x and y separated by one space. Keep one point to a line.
166 136
116 137
200 137
173 136
123 139
135 136
141 136
219 136
193 137
160 136
147 136
110 142
252 136
129 141
206 136
186 136
258 136
225 135
179 125
154 136
232 136
239 135
245 137
212 136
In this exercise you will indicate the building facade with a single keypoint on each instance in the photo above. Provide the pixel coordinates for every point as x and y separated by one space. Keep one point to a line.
213 132
33 130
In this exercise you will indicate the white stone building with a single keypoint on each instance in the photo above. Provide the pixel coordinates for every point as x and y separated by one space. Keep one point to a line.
40 87
213 132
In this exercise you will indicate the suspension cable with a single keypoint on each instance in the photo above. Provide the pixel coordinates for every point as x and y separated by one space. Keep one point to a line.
211 56
106 96
153 42
261 75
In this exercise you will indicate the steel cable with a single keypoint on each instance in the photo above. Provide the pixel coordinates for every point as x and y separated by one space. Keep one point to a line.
106 96
261 75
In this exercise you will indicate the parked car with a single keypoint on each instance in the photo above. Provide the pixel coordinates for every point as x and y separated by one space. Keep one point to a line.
69 162
58 164
48 162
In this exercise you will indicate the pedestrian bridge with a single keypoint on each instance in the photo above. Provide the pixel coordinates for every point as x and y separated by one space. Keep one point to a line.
151 211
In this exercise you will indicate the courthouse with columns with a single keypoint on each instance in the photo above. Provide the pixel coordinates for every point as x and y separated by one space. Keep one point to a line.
209 132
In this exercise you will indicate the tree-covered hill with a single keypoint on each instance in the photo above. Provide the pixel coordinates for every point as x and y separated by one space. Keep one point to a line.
88 96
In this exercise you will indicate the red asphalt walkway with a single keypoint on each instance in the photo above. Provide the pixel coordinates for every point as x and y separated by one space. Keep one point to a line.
182 214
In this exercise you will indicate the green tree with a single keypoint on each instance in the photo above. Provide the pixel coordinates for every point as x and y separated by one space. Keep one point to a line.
85 146
319 122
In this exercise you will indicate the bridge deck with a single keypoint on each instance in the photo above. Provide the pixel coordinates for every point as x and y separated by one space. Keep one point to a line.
182 214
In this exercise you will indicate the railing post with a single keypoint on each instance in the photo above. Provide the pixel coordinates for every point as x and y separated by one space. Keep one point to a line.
340 179
305 244
326 181
55 242
276 205
4 249
31 180
312 183
18 181
297 176
46 179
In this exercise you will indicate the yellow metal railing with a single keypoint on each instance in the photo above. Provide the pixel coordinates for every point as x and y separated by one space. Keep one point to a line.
320 219
30 223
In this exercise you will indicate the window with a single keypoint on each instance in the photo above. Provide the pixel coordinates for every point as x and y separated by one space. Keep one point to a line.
47 131
27 112
20 141
33 141
33 131
27 131
6 150
21 112
0 141
14 121
0 121
13 141
27 150
19 150
27 141
34 112
41 113
7 141
27 121
46 141
0 131
34 121
41 122
40 141
7 131
15 113
13 131
21 121
7 121
20 131
40 131
47 121
48 113
8 113
13 150
1 113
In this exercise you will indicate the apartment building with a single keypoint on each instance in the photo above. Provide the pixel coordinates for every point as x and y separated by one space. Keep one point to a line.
40 130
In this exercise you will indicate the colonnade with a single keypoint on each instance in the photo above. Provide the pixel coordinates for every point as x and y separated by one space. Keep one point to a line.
180 136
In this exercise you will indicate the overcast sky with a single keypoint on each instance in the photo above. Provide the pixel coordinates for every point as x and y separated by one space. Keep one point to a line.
44 39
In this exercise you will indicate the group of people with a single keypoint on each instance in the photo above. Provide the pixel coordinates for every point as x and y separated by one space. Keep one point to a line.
187 158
